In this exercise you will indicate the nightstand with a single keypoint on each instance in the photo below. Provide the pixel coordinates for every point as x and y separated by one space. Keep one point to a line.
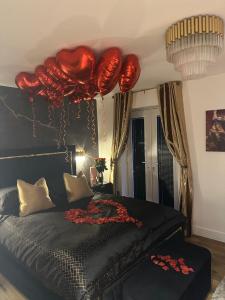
105 188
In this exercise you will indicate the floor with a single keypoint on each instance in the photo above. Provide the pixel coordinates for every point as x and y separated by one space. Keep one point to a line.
9 292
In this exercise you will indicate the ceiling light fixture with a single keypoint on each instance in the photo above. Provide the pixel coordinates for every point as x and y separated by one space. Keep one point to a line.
194 43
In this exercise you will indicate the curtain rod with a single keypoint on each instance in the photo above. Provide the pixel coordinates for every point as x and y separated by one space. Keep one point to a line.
144 90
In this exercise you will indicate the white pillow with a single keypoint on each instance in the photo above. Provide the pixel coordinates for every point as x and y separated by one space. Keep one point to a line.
33 197
77 187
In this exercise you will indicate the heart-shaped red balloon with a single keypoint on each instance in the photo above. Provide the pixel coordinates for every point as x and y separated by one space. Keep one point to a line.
108 70
90 89
54 70
78 63
26 80
100 215
130 73
48 81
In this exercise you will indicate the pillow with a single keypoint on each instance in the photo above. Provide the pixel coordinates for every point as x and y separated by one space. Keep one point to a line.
33 197
9 202
77 187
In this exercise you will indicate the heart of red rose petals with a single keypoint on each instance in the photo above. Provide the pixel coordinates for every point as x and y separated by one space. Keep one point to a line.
89 216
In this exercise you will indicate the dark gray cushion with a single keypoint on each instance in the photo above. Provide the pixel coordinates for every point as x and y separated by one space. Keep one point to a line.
9 201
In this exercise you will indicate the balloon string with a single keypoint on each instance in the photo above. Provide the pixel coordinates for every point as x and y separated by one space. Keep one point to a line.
78 112
53 115
64 132
59 130
50 115
93 125
73 111
34 129
68 113
103 120
88 115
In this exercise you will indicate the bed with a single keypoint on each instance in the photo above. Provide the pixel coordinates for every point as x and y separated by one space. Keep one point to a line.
71 261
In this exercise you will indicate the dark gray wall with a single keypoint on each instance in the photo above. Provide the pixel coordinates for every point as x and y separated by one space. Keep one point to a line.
16 123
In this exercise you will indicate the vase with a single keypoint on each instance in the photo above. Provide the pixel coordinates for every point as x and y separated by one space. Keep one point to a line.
93 176
100 178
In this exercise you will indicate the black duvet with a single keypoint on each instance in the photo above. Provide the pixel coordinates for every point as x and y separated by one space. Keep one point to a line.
79 261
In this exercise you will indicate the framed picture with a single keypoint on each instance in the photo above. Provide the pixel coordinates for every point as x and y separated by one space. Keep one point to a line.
215 130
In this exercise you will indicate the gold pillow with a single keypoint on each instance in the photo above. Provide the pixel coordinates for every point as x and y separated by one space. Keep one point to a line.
76 187
33 197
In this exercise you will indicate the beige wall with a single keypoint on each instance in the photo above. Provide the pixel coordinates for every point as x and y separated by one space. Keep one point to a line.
208 167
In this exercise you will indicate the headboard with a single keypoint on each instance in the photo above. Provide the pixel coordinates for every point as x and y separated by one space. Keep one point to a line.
31 164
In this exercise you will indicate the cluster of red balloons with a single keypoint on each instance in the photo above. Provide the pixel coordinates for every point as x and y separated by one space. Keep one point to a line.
77 74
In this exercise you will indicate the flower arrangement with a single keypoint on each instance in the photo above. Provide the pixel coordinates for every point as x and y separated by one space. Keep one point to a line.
100 165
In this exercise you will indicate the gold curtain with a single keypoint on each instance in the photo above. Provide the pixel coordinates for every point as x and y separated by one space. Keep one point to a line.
174 127
122 111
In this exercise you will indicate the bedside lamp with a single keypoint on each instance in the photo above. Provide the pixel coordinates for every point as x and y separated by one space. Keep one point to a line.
80 156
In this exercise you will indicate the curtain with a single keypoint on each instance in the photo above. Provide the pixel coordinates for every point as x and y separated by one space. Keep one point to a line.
173 123
122 112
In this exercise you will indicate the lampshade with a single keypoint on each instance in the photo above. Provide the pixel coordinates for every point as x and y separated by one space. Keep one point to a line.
194 43
80 155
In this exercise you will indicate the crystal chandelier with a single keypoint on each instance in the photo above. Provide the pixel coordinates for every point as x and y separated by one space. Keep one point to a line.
194 43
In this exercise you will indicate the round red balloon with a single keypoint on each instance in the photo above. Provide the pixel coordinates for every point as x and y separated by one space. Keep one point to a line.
108 70
130 73
78 63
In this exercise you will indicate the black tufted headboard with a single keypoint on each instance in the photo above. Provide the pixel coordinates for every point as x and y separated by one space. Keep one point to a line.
31 164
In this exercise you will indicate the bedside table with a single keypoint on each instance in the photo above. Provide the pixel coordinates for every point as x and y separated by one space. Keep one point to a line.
105 188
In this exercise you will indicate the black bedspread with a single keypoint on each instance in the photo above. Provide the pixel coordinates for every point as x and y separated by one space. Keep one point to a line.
78 261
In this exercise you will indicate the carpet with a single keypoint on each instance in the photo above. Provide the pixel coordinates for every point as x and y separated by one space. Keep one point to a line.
219 293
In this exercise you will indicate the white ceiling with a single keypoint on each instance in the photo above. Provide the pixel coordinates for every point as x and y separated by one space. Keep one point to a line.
32 30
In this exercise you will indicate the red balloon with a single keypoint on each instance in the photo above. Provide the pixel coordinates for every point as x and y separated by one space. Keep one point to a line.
48 81
42 92
108 70
54 70
80 92
52 97
130 73
26 80
90 89
78 63
83 92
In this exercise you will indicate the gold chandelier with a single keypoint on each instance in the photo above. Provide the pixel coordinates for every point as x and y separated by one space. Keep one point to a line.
194 43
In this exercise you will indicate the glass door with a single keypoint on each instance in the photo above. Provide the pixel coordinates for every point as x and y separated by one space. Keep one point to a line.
153 171
138 141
